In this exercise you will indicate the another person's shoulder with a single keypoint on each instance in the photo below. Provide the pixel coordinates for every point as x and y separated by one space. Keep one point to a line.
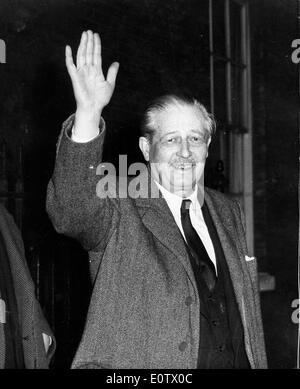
9 228
5 215
2 209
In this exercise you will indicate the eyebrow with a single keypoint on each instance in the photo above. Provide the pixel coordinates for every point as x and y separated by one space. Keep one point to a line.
203 133
199 131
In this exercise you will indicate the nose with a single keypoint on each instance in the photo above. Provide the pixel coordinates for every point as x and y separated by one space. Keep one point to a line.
184 150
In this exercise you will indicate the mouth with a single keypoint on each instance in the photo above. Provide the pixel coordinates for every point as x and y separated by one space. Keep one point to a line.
183 166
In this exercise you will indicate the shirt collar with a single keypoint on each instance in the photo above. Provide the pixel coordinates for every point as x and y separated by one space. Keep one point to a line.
175 200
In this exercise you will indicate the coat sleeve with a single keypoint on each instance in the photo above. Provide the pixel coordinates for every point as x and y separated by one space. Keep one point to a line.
74 204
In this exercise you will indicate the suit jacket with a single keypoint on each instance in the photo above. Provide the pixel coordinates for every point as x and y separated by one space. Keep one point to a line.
32 321
144 309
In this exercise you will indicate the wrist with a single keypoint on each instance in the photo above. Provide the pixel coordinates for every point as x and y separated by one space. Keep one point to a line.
86 123
89 115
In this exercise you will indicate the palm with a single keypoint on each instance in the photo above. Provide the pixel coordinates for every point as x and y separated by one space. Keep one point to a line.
91 90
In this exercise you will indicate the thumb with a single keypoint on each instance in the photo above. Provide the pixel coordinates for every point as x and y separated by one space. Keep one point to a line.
69 62
112 73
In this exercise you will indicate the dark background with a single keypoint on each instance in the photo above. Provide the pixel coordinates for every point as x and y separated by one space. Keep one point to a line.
162 46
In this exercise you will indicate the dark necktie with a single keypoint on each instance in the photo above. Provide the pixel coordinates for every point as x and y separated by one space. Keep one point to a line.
196 247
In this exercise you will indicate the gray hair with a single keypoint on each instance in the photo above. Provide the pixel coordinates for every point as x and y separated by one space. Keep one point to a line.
165 102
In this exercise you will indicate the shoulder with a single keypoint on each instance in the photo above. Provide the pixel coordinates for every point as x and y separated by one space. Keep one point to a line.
225 205
221 198
3 210
228 212
6 217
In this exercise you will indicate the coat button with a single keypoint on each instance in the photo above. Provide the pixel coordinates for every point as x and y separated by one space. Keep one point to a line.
188 300
182 346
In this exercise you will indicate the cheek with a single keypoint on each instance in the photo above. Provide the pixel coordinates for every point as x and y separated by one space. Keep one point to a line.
160 154
200 155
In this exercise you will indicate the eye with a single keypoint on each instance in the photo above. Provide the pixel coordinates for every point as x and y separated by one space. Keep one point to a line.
197 139
171 140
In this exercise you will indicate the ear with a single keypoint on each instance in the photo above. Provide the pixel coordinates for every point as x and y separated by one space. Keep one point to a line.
145 147
208 143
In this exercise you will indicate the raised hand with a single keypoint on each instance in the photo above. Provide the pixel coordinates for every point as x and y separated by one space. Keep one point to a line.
91 90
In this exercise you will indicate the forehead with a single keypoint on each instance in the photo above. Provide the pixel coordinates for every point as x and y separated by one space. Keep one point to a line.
179 119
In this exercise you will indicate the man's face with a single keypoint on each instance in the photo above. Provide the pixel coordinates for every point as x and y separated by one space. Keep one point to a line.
178 150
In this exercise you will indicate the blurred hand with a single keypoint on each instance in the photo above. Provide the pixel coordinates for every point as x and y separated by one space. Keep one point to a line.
47 342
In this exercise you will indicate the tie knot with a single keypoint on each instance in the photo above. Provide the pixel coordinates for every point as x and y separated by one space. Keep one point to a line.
185 205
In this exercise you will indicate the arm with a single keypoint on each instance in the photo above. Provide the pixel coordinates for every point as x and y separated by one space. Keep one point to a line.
39 338
72 204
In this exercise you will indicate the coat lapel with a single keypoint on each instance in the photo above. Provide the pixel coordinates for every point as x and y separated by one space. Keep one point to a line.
228 242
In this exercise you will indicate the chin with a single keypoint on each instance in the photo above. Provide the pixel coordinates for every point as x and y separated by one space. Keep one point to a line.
186 180
182 187
183 192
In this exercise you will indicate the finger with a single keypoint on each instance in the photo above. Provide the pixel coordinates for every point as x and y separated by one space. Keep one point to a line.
89 49
97 60
112 73
69 62
80 59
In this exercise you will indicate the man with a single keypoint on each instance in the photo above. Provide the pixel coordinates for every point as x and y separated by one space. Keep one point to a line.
26 341
172 287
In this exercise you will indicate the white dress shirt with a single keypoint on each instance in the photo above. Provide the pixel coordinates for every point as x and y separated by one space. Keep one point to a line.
196 216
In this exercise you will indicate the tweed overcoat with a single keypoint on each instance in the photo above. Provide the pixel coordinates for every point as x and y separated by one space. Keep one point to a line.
144 310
